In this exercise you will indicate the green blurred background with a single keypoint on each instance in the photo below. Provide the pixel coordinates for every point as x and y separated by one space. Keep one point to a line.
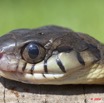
80 15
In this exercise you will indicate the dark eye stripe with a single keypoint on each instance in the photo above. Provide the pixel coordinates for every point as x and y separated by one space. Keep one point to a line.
59 63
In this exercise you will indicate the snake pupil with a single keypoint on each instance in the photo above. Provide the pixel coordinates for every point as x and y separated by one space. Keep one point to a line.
33 50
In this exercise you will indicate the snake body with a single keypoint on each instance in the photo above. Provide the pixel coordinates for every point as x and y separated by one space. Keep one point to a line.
63 57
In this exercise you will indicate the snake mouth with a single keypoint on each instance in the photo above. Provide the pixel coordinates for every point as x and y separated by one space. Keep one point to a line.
62 68
56 68
36 78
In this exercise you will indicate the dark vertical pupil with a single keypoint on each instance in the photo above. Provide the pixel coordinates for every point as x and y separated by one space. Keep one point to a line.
33 50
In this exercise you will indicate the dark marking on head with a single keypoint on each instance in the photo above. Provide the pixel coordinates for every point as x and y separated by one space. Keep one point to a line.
45 66
32 68
44 76
95 51
80 59
61 66
41 33
64 49
24 66
55 77
17 67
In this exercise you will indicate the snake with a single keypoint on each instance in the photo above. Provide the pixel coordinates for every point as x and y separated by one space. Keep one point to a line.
51 55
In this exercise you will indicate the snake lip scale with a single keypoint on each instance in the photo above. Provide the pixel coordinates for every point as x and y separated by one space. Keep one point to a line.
51 55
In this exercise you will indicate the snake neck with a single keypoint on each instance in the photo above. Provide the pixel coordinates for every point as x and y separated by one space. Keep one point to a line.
95 73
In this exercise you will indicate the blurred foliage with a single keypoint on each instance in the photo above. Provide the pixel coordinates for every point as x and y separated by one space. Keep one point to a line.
80 15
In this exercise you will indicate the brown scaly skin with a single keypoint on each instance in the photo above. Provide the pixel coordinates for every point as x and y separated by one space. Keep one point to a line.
53 38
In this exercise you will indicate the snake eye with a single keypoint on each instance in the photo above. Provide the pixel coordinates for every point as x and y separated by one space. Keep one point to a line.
33 53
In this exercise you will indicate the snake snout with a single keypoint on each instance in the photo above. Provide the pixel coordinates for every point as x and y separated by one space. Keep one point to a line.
8 62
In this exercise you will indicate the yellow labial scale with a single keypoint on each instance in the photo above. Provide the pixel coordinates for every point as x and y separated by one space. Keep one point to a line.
42 76
52 65
34 76
88 57
20 65
28 68
39 68
49 76
70 61
53 76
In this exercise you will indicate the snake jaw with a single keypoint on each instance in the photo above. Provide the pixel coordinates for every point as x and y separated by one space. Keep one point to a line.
55 74
13 69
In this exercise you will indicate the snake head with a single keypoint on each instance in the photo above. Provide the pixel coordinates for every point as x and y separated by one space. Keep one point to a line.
49 55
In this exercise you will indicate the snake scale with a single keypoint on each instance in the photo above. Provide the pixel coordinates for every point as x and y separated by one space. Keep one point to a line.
51 55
